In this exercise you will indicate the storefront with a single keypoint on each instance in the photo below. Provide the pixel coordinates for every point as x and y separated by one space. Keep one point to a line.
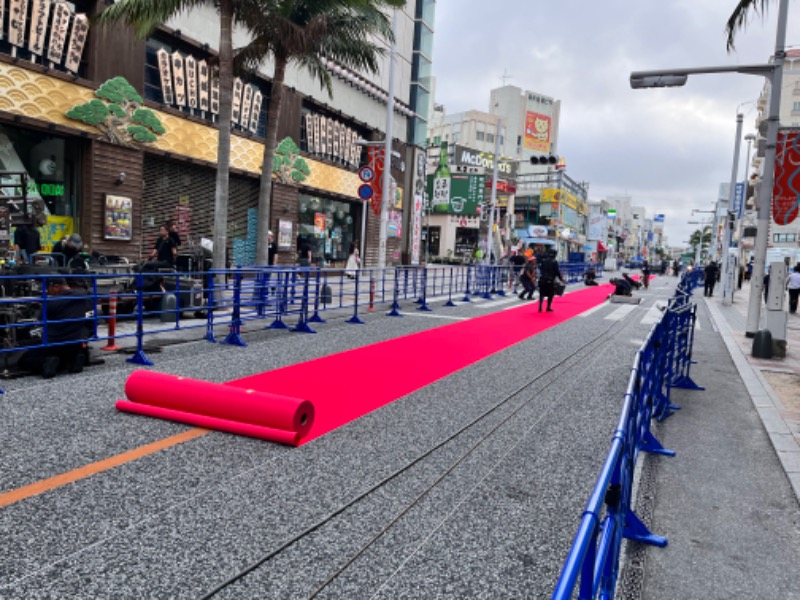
327 227
53 167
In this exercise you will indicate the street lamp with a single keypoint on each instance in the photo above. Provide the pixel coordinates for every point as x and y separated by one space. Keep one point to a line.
774 74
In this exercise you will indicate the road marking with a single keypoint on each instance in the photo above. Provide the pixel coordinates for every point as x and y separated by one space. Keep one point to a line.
653 315
45 485
621 312
588 312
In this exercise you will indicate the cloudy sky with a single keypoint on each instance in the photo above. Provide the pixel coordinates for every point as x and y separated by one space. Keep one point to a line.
669 149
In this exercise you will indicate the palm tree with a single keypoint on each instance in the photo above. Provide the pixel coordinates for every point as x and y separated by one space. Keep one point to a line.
301 32
145 16
700 238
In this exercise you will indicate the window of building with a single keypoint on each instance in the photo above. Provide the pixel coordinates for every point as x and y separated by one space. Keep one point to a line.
795 106
479 136
490 137
784 238
328 227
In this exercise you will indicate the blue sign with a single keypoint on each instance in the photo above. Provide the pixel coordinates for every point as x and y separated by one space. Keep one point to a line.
738 200
658 219
365 191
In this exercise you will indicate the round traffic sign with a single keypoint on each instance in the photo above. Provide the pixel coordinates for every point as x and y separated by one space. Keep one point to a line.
365 192
366 174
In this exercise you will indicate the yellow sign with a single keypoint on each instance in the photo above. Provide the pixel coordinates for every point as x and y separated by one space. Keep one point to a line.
55 230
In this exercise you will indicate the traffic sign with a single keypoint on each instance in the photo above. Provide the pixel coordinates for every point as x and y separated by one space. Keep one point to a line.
366 174
365 192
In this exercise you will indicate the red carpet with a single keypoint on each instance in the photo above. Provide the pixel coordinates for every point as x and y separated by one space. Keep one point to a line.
348 385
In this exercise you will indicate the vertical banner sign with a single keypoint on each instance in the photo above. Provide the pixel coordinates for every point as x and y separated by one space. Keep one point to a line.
311 143
202 84
323 135
215 95
58 31
318 133
40 13
786 191
376 163
191 82
418 206
236 111
165 74
80 31
247 105
335 148
331 137
738 200
179 78
17 17
537 132
255 113
342 143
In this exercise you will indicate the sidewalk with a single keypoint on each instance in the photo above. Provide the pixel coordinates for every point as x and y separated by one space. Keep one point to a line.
774 384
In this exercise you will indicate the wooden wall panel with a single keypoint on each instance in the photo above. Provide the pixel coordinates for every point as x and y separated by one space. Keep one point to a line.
102 168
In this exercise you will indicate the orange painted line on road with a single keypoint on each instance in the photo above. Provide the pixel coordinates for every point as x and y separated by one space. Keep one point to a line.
45 485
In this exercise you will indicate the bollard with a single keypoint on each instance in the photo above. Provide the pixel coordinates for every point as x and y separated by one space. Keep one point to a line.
112 323
371 307
762 344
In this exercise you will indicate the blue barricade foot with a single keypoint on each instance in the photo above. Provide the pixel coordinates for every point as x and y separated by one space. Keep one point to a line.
424 307
450 303
356 320
395 312
636 530
315 318
234 339
277 324
303 328
140 358
650 444
466 298
686 383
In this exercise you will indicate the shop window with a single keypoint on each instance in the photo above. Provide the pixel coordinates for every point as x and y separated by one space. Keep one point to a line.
328 227
431 237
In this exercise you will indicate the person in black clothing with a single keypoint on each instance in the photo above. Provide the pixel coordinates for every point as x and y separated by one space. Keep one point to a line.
27 242
272 249
65 317
172 227
547 280
164 250
710 278
528 279
621 287
646 274
590 278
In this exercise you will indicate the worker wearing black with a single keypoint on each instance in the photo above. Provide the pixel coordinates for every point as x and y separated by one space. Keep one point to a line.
164 250
710 274
548 273
64 316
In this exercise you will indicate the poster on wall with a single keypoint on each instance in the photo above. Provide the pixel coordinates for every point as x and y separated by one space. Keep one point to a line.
119 218
785 192
284 235
537 132
319 223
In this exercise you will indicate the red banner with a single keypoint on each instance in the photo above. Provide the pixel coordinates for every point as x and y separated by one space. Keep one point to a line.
785 193
375 162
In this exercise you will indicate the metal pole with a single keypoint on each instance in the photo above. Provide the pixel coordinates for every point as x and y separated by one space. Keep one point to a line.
387 157
727 269
767 181
740 226
493 199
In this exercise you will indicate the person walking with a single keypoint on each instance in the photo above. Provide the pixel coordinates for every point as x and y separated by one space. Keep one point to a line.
528 278
550 271
710 278
793 285
646 274
353 261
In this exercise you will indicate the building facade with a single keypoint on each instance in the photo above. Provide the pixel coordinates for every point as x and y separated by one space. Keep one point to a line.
118 135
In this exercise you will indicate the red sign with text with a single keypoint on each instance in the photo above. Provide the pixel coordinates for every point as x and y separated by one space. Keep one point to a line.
786 191
375 162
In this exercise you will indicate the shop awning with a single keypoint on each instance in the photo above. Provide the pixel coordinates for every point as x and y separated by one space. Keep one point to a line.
538 240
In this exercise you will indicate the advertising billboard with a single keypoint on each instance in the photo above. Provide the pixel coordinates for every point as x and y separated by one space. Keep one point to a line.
537 132
786 191
466 193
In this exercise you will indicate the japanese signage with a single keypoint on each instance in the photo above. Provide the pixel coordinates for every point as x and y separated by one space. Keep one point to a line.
58 31
330 138
80 31
284 235
40 12
165 73
255 113
237 100
202 84
178 78
375 161
786 191
191 81
537 132
247 104
467 156
215 95
466 193
17 17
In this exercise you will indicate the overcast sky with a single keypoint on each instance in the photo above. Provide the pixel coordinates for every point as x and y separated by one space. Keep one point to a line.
669 149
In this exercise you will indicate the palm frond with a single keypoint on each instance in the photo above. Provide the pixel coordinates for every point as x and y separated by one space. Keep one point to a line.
739 16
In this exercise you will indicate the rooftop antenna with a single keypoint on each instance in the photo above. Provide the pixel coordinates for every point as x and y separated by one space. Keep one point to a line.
505 76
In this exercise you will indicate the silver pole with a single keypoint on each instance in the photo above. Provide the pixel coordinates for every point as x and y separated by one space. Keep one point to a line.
742 210
493 199
767 181
727 270
387 158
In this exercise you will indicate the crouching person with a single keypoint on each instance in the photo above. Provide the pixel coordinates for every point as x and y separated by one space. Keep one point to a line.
66 326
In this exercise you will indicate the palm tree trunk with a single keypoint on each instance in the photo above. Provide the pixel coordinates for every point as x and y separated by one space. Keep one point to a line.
224 141
270 142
